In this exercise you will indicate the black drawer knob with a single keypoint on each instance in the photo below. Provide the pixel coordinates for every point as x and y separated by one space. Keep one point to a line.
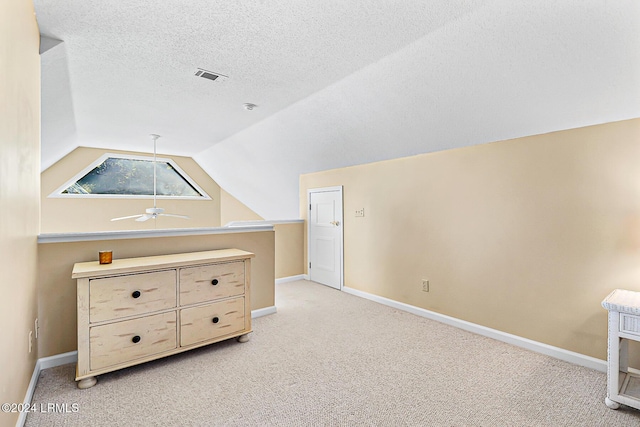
136 339
215 320
214 282
136 294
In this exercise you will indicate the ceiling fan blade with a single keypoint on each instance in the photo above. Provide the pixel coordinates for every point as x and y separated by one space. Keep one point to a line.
144 217
174 215
126 217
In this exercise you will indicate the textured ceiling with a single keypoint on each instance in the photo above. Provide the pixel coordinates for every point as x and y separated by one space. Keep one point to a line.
130 65
336 83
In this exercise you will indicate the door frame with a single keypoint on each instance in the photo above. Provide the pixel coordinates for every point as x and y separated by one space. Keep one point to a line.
338 188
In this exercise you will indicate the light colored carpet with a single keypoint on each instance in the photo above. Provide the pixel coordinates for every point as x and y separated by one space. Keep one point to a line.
332 359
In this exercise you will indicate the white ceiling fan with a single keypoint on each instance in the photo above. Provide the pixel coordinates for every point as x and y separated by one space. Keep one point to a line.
154 212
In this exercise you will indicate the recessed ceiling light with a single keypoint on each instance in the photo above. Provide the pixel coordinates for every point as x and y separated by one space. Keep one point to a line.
249 106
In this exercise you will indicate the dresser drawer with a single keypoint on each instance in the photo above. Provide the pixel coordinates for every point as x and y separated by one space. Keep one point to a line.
210 282
211 321
134 294
128 340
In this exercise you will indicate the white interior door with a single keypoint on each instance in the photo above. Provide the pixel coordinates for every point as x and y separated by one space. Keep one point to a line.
325 236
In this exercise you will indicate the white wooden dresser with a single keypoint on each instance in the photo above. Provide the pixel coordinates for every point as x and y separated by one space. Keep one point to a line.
139 309
623 386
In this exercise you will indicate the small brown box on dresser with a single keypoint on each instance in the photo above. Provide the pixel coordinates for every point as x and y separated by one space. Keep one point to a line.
139 309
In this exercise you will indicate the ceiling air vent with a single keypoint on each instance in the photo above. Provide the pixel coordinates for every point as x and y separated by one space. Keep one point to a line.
208 74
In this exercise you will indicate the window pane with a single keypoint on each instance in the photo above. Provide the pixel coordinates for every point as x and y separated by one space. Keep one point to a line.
133 177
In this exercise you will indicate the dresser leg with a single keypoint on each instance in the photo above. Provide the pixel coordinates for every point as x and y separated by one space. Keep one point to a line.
243 338
87 382
611 404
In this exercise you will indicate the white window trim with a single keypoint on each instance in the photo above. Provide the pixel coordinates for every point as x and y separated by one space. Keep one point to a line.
57 193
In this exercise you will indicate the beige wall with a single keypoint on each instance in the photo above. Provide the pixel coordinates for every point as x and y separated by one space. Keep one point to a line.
289 236
231 209
57 291
19 196
61 215
526 236
289 249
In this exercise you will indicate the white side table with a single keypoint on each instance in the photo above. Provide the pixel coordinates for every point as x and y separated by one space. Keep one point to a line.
623 387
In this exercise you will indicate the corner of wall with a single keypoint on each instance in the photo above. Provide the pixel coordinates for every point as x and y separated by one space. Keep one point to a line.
19 197
232 209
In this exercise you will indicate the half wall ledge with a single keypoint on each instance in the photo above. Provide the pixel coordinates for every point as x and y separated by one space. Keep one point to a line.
142 234
264 222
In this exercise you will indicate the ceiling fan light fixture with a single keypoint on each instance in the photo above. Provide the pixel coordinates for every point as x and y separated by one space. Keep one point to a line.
154 211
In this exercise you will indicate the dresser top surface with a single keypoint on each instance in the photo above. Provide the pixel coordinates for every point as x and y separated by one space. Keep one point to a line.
623 301
131 265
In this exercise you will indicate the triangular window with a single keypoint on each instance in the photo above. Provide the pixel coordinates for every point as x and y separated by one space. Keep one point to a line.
117 176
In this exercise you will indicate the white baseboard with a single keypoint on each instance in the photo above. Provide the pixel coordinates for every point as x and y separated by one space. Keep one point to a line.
22 416
538 347
306 277
44 363
58 360
290 279
263 311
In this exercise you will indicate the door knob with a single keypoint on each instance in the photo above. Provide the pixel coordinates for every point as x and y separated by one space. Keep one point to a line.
336 223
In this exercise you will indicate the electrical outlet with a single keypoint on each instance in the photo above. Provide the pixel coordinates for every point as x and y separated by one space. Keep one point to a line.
360 212
30 341
425 285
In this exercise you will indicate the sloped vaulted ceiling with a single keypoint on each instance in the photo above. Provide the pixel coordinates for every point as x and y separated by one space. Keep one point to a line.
336 83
